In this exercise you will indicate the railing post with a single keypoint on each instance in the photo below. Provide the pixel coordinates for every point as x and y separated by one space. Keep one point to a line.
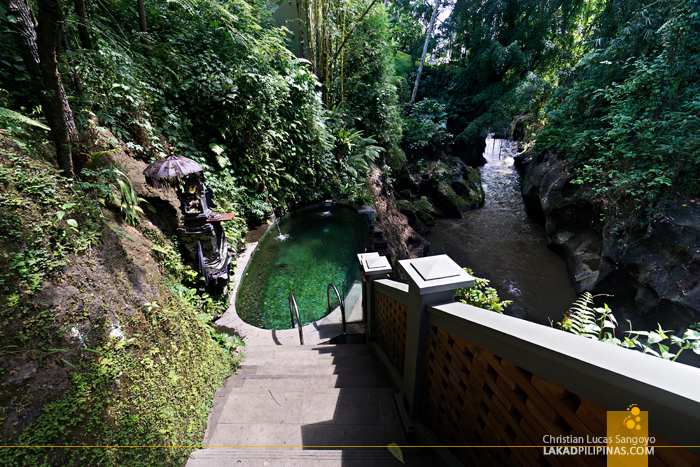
373 267
431 280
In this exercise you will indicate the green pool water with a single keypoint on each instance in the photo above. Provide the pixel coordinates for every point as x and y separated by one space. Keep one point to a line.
318 249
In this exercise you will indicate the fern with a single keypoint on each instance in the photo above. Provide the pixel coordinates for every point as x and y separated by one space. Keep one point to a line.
584 320
11 114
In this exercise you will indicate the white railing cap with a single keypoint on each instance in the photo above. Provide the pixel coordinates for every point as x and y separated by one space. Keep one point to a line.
436 274
373 263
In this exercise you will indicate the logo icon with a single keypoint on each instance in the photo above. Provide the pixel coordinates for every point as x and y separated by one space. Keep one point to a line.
633 420
628 438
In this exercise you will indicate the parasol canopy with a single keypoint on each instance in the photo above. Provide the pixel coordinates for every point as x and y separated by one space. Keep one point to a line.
168 170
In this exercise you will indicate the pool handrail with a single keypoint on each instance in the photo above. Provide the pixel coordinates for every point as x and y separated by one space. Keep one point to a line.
342 305
294 309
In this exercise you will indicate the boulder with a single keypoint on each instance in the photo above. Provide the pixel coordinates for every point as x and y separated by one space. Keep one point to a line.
418 214
450 191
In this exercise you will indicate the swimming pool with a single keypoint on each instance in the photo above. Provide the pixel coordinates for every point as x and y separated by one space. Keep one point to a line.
313 250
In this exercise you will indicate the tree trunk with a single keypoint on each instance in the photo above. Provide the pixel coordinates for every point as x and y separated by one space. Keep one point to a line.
425 50
58 113
37 46
144 28
82 24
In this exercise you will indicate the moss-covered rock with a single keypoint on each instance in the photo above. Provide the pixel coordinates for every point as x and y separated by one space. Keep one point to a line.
469 188
450 192
419 214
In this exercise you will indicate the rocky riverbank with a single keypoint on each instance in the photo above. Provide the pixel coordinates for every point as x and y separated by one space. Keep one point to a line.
656 270
443 188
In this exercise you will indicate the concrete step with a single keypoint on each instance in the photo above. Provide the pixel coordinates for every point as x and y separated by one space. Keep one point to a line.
308 359
290 355
325 417
327 369
320 349
262 457
309 381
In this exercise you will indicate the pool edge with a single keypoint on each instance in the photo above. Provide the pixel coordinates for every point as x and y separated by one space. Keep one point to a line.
316 332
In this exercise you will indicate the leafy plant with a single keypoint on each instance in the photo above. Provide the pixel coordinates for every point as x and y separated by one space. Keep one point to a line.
386 178
426 129
129 201
481 296
11 114
208 309
600 324
689 340
627 114
584 320
150 306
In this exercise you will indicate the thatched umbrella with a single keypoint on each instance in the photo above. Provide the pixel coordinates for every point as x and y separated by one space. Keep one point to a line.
169 170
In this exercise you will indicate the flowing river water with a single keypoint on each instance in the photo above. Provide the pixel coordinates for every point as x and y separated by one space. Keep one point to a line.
500 243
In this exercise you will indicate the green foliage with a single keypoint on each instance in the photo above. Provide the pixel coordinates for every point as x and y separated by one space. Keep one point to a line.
368 99
151 388
209 309
18 117
395 451
481 296
166 253
129 201
627 114
584 320
600 324
386 178
221 87
103 184
426 129
495 60
43 218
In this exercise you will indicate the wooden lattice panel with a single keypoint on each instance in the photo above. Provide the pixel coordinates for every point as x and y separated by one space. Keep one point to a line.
390 328
472 397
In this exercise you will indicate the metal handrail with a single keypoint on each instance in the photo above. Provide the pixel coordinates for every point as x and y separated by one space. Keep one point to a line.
340 300
293 308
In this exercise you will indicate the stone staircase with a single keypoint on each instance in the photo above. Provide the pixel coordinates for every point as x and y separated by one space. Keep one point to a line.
306 406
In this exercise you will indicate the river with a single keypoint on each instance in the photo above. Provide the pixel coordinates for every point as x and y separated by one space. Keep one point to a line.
500 243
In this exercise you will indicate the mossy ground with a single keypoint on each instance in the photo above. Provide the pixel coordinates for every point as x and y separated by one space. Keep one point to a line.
96 351
152 389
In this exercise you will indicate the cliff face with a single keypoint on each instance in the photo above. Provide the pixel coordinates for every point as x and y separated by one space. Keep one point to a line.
658 269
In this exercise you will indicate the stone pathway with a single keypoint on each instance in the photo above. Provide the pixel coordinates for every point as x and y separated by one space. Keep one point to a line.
305 406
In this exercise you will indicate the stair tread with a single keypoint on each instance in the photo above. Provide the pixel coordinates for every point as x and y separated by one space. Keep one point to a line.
371 457
353 453
284 399
312 348
308 359
348 369
317 390
369 380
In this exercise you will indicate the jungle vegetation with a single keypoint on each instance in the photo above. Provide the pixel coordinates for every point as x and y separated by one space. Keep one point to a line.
613 86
